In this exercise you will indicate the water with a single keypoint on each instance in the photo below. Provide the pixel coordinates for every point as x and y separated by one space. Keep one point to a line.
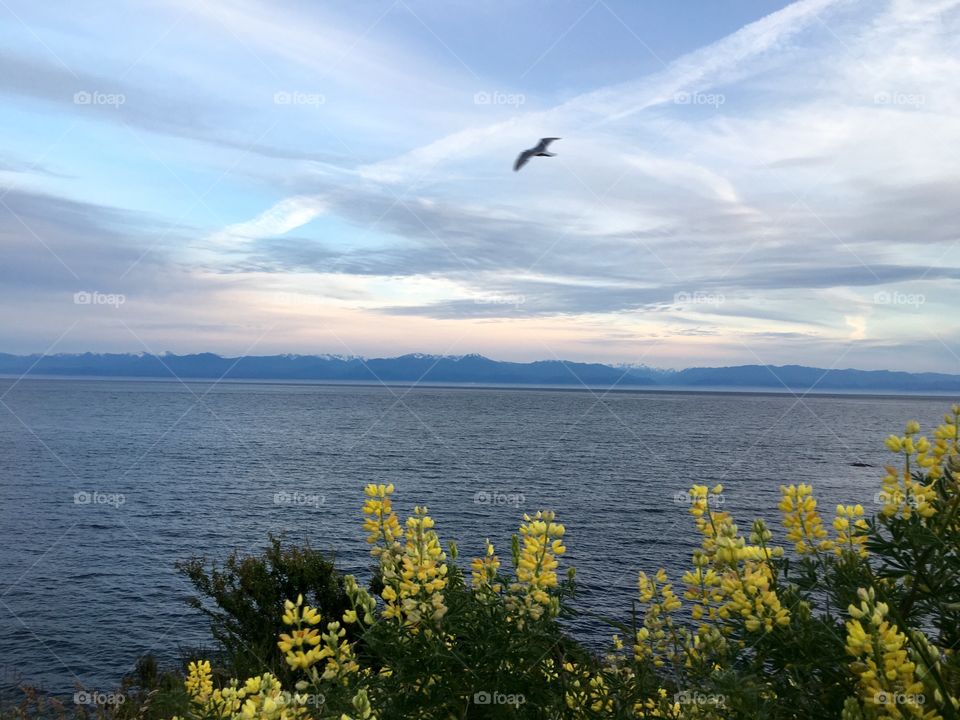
87 582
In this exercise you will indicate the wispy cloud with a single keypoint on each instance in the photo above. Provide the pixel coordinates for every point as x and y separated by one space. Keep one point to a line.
286 215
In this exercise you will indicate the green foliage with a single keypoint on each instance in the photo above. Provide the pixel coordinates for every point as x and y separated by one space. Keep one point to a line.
244 601
478 661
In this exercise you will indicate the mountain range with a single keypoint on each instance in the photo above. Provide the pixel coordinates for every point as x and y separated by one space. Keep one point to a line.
469 369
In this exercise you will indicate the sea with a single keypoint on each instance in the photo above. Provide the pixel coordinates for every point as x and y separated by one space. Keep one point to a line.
105 484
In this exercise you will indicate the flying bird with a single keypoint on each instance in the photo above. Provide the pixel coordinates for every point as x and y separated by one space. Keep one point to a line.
539 151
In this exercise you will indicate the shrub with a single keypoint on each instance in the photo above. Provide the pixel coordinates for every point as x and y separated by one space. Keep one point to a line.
244 600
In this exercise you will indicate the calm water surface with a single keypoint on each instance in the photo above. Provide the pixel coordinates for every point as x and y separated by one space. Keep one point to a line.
87 582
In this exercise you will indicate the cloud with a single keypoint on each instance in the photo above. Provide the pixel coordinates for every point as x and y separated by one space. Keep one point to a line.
857 325
685 174
286 215
183 115
317 42
52 242
16 165
696 71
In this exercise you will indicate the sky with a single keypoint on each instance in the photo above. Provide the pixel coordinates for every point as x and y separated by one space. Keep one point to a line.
736 182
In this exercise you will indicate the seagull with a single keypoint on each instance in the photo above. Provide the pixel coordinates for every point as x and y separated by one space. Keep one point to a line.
539 151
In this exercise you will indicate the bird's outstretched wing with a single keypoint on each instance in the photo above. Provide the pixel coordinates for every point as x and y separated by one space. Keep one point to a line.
544 142
522 159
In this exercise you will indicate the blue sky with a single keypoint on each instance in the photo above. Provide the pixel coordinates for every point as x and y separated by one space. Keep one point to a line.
737 182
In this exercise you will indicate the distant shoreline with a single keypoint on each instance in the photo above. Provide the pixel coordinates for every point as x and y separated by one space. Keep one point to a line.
439 385
477 371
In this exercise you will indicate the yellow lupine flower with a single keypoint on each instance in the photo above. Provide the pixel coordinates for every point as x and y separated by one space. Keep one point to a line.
901 494
341 662
801 519
199 682
710 523
483 571
300 644
733 578
414 586
587 692
946 434
263 698
641 646
536 566
751 597
850 527
663 592
381 523
887 673
659 634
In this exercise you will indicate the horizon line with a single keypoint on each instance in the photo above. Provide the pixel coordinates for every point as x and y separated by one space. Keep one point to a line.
435 356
